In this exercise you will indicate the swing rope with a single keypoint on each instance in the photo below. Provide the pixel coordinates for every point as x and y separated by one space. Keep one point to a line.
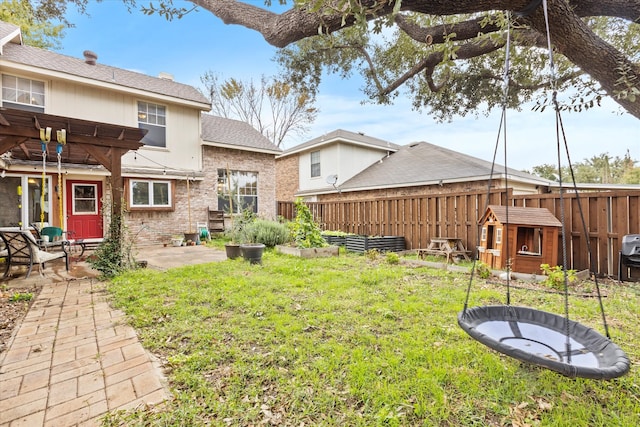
534 336
502 131
45 138
62 140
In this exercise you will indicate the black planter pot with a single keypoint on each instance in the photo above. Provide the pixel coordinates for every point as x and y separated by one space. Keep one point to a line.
233 250
252 252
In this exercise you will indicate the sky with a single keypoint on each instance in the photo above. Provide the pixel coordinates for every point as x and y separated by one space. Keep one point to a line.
200 42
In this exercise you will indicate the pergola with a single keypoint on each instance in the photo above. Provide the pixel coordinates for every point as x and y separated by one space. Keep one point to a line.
87 143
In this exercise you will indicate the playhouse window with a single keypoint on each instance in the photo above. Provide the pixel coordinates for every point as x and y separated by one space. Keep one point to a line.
529 240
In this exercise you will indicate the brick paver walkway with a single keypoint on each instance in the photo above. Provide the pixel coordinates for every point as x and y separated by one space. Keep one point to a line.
72 360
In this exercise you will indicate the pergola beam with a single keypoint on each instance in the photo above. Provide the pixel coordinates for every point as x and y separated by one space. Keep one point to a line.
105 143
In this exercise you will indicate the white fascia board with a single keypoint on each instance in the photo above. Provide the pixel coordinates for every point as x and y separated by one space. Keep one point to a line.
104 85
14 36
337 140
240 148
161 175
29 167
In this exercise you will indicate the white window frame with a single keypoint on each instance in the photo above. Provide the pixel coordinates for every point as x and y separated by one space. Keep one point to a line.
33 95
150 183
73 200
239 192
155 121
317 163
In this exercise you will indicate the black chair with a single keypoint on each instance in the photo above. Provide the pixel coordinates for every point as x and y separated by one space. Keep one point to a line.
629 255
23 249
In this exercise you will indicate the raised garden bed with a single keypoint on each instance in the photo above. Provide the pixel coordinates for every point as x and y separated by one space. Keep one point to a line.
336 240
357 243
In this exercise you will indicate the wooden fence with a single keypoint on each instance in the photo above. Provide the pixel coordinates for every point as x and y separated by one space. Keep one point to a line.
608 216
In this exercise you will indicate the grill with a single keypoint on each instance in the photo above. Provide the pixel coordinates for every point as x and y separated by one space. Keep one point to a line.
630 253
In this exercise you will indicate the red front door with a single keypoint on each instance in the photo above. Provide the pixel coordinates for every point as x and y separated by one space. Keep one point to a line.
83 209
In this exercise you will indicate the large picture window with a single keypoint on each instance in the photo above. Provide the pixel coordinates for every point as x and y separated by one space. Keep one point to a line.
315 164
153 117
149 194
238 188
22 94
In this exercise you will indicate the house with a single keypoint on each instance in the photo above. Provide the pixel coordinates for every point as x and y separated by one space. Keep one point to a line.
526 237
321 165
418 168
143 142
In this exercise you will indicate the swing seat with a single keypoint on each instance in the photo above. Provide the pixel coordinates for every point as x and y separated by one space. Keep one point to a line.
540 338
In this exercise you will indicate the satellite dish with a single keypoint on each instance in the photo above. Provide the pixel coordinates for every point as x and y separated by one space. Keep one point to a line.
332 179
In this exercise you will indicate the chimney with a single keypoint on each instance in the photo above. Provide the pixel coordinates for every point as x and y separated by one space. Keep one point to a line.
90 57
165 76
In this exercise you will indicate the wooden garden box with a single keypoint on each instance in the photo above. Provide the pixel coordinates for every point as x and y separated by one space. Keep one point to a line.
533 236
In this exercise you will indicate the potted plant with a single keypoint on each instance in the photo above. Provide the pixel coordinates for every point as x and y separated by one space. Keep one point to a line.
177 240
308 241
238 235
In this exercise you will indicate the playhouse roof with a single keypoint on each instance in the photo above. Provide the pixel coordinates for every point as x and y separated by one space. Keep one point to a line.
521 216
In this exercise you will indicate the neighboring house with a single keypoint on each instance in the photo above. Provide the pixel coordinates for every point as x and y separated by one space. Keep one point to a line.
424 168
182 150
322 164
370 168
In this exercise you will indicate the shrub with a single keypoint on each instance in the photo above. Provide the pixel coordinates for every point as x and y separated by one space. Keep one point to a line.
269 233
236 233
19 297
115 254
392 258
555 276
482 270
372 254
304 231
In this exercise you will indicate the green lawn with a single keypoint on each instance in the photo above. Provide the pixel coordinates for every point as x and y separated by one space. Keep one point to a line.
356 341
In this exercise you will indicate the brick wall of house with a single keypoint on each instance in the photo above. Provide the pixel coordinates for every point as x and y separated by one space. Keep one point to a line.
406 191
157 227
287 173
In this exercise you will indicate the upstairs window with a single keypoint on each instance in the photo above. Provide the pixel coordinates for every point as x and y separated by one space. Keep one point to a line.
315 164
22 94
153 117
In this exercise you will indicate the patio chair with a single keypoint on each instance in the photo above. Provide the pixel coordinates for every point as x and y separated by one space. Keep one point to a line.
4 255
23 249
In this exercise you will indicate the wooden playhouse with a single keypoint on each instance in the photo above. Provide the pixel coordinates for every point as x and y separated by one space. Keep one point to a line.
533 237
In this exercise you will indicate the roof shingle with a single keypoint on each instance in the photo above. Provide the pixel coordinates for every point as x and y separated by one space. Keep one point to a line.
524 216
40 58
420 163
219 130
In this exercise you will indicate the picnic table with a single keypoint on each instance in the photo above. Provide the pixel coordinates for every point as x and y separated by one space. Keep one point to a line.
450 247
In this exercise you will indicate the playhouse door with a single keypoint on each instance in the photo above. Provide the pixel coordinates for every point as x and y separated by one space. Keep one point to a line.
83 209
